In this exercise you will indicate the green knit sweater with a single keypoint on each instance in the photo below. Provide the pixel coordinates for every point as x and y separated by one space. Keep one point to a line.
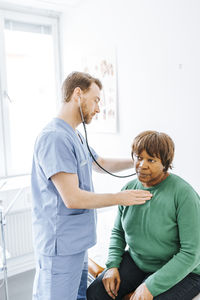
162 235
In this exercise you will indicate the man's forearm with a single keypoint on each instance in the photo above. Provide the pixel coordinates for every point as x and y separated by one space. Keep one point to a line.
87 200
74 197
113 164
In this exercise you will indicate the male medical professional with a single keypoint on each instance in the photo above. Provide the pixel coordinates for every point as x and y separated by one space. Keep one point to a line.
64 218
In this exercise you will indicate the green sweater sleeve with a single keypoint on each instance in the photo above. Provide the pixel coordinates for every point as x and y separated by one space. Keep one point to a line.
117 243
188 257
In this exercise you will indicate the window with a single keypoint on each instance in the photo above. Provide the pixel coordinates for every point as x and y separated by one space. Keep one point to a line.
29 83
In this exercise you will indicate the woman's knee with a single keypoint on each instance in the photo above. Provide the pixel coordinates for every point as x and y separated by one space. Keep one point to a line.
92 291
96 290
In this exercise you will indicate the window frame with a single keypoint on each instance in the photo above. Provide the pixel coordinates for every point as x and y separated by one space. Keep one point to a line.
33 18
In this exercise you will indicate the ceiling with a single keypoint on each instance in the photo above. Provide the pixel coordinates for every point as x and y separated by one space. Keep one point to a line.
48 4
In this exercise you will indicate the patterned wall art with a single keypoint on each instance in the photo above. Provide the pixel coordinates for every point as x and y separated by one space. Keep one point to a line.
104 68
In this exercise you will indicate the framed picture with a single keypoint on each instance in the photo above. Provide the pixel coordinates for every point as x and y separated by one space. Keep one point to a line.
104 68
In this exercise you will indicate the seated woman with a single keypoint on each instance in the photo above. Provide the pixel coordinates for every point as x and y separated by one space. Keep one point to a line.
162 235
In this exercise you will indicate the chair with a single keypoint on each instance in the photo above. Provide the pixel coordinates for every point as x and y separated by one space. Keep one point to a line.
95 270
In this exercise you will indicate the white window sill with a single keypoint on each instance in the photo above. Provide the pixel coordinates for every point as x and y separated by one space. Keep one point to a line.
14 183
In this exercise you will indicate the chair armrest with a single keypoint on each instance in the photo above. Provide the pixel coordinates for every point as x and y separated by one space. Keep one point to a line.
127 297
93 268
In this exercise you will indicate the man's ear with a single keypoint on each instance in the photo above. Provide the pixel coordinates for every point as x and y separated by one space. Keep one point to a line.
77 94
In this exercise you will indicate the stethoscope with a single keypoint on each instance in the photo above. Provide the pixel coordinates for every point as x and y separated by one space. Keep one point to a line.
88 147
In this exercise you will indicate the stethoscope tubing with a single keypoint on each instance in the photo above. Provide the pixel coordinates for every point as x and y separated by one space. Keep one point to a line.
86 138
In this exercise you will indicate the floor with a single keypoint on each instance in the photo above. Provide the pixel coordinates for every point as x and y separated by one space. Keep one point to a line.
19 286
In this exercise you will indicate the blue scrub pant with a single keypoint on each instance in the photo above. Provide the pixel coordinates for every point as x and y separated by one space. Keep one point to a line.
61 277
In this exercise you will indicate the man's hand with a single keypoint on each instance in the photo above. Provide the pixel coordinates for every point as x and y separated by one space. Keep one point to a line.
142 293
111 282
133 197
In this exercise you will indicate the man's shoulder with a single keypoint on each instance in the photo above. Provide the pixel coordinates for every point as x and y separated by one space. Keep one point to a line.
53 131
54 127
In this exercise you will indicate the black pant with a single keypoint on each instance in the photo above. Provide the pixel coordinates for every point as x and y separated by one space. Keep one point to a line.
131 277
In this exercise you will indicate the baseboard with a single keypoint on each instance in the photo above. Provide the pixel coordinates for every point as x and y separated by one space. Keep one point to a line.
19 265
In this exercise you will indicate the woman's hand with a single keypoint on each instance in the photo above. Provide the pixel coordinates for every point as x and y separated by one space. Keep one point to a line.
142 293
111 282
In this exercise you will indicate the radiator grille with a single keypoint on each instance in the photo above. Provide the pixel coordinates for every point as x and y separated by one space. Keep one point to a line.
18 233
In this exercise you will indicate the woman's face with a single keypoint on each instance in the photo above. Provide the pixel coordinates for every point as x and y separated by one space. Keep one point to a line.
150 170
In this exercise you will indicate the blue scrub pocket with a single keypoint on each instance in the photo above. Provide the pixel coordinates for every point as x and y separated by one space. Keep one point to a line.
78 233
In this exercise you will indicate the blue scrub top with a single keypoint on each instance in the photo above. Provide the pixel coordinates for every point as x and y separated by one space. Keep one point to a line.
57 229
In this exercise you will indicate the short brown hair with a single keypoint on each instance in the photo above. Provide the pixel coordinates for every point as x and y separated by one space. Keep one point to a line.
157 144
77 79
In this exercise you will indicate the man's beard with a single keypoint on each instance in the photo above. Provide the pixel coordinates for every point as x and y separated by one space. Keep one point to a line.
86 116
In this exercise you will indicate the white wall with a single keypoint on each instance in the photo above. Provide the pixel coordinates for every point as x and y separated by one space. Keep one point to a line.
158 62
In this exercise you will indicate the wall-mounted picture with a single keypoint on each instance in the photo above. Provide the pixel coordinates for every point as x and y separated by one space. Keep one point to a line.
104 68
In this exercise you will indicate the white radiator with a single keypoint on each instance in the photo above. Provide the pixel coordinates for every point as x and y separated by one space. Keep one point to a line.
18 233
18 240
